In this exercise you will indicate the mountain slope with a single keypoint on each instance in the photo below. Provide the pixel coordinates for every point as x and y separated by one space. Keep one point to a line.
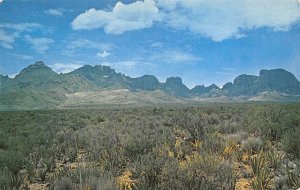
175 87
278 80
101 76
201 90
115 97
145 82
39 87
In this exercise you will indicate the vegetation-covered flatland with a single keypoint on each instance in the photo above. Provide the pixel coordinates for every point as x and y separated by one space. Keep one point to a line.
221 147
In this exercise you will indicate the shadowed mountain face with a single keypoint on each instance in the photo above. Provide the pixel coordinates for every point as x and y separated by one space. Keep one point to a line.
102 76
39 86
4 81
175 87
201 89
146 82
40 77
278 80
36 71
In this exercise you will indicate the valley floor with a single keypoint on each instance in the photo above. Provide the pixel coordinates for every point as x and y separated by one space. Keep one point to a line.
212 146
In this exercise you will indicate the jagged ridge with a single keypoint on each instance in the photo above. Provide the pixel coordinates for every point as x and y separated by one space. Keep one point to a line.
39 83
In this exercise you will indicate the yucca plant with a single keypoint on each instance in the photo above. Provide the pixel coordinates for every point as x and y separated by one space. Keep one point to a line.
274 159
293 180
257 162
262 179
125 182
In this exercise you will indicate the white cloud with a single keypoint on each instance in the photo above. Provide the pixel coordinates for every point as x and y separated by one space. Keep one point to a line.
179 56
175 56
21 27
84 43
157 45
55 12
121 64
14 74
81 43
1 1
123 17
103 54
39 44
214 19
9 32
22 56
65 67
221 20
6 40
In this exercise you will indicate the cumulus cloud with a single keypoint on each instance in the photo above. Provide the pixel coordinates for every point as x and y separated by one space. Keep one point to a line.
221 20
103 54
55 12
65 67
123 17
214 19
39 44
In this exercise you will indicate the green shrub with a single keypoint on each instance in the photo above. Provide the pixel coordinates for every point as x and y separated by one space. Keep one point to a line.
252 144
9 180
63 183
291 142
178 148
11 160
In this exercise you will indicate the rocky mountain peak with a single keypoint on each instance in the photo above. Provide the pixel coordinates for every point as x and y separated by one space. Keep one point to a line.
174 80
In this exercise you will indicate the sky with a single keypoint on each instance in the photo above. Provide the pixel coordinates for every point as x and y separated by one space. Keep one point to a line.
201 41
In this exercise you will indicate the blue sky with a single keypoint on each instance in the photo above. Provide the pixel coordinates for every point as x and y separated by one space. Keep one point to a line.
202 41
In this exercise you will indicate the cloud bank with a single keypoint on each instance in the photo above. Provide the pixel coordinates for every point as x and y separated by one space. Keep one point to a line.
214 19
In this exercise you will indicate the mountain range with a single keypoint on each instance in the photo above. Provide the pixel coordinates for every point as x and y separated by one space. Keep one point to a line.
39 87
